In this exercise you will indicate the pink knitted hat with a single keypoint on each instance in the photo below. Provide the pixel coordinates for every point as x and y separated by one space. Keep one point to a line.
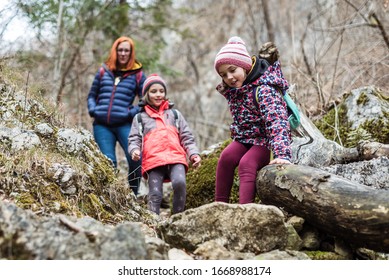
234 52
152 79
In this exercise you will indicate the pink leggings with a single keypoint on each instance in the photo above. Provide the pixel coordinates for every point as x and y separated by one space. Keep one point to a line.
250 159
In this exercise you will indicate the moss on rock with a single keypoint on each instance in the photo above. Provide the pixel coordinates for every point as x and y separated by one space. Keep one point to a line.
49 178
336 125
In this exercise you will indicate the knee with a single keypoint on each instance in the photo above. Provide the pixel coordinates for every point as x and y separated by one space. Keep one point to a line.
227 158
179 184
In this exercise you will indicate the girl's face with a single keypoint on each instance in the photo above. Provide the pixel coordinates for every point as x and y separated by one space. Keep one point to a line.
123 53
156 95
232 75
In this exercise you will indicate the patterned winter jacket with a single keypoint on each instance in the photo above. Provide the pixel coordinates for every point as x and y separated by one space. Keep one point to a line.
162 142
264 123
111 97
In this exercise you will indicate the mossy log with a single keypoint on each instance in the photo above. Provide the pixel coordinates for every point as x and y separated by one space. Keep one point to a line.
354 212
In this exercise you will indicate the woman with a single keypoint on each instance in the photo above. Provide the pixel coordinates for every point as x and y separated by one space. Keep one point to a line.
110 102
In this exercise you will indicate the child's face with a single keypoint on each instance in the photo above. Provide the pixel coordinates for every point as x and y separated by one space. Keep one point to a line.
232 75
156 95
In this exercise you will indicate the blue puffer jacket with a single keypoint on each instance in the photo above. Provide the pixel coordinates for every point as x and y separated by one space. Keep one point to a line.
110 102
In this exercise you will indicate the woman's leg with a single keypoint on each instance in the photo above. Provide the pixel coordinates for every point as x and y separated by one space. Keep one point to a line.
255 158
178 179
134 167
106 140
228 161
155 180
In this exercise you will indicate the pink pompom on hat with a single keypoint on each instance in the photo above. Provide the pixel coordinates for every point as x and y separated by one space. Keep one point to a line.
152 79
234 52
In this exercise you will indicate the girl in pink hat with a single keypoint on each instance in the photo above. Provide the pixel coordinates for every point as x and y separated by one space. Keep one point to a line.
162 137
260 121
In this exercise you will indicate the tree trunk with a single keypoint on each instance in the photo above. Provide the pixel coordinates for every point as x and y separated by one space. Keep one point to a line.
354 212
59 54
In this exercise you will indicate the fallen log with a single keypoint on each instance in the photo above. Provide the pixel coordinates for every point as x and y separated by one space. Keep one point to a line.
356 213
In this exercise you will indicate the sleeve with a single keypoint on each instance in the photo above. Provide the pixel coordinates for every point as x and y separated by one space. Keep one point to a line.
135 138
93 93
187 138
274 113
132 111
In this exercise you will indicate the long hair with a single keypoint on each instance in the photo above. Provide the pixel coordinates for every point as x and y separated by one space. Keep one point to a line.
112 59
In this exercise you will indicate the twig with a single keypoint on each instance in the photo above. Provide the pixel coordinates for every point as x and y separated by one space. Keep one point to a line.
25 99
336 123
72 226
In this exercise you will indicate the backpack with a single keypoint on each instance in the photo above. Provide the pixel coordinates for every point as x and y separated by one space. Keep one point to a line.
140 124
293 111
269 52
138 78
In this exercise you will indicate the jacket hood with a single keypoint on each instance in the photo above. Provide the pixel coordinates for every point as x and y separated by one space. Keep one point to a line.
272 76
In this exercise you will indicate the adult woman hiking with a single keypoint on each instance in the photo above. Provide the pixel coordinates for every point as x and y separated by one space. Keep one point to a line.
111 98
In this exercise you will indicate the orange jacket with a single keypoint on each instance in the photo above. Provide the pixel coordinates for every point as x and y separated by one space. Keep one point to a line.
162 143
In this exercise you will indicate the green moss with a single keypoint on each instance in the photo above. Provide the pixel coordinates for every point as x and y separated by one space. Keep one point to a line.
25 200
94 207
321 255
29 178
362 99
371 130
378 128
327 124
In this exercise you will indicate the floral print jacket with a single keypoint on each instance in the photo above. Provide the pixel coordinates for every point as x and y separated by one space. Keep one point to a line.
265 121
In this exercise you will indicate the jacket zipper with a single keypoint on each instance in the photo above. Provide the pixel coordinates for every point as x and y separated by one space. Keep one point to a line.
117 80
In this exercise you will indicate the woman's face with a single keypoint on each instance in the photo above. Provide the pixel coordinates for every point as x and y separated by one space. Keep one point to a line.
232 75
123 53
156 95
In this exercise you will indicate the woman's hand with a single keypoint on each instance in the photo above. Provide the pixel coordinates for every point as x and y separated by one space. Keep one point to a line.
280 161
135 155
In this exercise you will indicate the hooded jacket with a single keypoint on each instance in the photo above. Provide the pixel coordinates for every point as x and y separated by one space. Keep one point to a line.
163 143
111 97
266 123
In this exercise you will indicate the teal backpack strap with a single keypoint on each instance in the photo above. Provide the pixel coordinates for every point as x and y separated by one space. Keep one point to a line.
294 114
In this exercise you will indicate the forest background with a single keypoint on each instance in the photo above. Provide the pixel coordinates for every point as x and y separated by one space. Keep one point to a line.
327 47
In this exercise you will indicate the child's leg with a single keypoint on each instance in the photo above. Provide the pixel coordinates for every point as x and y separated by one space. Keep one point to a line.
155 180
228 161
178 179
256 158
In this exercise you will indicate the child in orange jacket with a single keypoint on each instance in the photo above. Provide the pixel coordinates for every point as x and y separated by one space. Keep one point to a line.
164 145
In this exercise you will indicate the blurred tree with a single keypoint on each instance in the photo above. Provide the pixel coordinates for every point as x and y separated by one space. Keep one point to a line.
81 27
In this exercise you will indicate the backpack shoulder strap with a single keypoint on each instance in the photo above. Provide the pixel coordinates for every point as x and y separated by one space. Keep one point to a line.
255 96
140 124
101 72
138 78
175 112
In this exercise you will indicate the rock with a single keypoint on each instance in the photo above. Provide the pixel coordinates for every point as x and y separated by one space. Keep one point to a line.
242 228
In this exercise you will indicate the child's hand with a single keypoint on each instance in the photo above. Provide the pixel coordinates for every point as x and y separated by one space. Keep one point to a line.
135 155
195 159
280 161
